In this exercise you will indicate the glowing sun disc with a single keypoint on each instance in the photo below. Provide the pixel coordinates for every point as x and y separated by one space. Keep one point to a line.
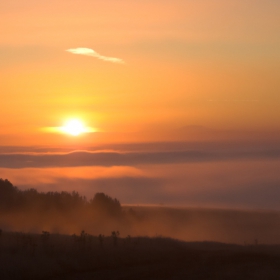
74 127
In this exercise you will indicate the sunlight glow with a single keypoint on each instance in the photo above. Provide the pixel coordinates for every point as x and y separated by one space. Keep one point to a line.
74 127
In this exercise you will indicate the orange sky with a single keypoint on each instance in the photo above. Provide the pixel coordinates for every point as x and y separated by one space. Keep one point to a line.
204 71
209 63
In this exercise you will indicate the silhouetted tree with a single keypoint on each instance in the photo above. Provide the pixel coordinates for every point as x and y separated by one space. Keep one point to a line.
115 235
83 237
106 204
8 194
31 201
45 236
101 240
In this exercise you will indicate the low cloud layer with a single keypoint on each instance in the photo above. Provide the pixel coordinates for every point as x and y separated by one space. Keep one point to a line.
87 158
194 174
90 52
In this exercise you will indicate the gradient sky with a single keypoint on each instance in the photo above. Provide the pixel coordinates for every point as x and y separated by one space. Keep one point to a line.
154 79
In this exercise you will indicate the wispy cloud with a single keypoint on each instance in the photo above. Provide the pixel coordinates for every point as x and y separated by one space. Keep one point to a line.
90 52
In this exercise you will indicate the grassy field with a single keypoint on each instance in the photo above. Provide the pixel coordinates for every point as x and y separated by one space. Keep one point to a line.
63 257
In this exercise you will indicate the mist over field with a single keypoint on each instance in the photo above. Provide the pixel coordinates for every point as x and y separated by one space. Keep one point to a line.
183 224
71 213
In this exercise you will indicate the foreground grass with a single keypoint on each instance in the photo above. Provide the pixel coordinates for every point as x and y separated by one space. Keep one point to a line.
34 256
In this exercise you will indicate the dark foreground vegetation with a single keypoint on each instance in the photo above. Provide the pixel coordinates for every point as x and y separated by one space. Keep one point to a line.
64 236
65 257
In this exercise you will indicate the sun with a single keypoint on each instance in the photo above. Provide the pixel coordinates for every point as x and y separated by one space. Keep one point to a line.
74 127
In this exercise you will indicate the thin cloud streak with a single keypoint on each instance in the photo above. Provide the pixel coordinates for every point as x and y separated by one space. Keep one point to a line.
90 52
87 158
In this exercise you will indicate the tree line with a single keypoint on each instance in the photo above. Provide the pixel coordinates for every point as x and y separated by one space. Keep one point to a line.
14 199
